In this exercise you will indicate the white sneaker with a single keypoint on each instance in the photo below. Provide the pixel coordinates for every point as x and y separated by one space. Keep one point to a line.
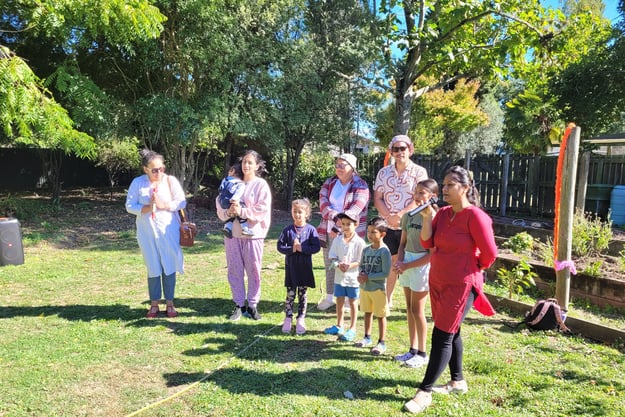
404 357
416 361
452 387
325 304
419 403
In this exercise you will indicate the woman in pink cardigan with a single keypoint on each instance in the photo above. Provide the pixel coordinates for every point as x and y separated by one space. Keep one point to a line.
244 254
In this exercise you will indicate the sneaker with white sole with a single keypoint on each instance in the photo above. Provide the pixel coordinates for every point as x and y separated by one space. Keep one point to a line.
365 342
236 313
404 356
419 402
252 313
416 361
286 325
324 304
452 387
379 349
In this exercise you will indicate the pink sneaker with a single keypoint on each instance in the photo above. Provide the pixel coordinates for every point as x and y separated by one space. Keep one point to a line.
300 326
286 326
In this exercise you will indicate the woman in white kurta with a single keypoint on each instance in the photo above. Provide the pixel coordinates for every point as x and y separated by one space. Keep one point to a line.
155 199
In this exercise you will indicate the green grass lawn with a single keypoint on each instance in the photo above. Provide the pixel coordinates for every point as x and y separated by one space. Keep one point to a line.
75 343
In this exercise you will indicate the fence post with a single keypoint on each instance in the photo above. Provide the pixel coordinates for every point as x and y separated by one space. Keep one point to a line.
503 197
565 221
582 180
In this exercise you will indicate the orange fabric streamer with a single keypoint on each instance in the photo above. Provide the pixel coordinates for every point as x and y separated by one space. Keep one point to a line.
556 223
387 157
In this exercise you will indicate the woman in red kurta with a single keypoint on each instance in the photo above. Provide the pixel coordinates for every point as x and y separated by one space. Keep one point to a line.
461 236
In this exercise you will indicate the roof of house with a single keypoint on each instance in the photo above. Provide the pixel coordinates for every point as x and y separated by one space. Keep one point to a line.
611 139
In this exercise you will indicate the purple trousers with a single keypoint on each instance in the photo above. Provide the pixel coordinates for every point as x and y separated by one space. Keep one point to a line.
244 257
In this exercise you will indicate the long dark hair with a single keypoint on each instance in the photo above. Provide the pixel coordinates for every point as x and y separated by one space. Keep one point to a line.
260 163
464 177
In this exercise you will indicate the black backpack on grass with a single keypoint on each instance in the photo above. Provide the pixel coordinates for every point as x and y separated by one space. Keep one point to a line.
546 315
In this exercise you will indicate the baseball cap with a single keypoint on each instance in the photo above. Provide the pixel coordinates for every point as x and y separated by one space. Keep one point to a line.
401 138
349 158
346 216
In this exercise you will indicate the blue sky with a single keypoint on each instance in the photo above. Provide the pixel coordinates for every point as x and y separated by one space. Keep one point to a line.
610 8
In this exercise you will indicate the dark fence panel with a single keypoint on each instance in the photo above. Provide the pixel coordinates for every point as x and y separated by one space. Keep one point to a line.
23 169
530 185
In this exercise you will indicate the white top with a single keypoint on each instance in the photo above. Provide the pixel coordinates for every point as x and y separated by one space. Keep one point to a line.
347 252
158 235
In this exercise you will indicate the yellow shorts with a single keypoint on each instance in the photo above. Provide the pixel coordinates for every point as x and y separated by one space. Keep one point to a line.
374 302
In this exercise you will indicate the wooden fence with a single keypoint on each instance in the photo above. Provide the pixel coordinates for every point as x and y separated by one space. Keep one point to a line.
520 184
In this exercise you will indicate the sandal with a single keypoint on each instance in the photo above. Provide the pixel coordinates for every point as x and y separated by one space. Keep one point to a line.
452 387
171 311
152 312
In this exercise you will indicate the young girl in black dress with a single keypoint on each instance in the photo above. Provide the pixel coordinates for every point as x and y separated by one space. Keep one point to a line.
298 242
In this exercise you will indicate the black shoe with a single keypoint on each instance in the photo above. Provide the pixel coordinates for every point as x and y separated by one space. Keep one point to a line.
253 313
227 232
236 314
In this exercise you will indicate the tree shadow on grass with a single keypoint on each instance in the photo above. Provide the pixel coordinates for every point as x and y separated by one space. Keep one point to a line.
76 312
202 307
329 382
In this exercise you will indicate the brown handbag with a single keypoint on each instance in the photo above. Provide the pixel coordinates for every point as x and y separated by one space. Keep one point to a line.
188 230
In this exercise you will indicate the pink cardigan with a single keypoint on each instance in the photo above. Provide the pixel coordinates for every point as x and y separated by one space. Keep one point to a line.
257 210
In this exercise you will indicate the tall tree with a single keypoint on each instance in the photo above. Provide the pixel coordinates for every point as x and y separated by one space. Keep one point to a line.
535 119
327 50
190 95
45 34
591 92
449 39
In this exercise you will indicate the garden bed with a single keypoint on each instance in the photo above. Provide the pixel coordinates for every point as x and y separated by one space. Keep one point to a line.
599 291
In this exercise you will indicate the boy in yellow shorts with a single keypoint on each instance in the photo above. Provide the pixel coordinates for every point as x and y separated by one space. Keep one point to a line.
375 265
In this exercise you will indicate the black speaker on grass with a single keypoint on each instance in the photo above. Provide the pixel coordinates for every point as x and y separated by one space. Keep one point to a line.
11 249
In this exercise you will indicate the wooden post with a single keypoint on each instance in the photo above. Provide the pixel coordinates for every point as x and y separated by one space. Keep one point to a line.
567 209
467 160
503 198
582 181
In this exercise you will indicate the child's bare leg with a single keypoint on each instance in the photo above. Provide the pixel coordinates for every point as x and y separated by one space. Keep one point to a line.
382 327
340 302
353 310
368 323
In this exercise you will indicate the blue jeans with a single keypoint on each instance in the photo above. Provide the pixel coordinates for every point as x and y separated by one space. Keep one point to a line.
168 287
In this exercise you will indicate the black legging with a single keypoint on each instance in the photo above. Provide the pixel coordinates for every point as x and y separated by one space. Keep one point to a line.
446 349
302 296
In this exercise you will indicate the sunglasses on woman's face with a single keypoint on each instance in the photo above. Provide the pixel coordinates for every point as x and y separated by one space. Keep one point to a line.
340 166
157 170
399 148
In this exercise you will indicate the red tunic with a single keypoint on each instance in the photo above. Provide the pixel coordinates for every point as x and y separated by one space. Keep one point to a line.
463 245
